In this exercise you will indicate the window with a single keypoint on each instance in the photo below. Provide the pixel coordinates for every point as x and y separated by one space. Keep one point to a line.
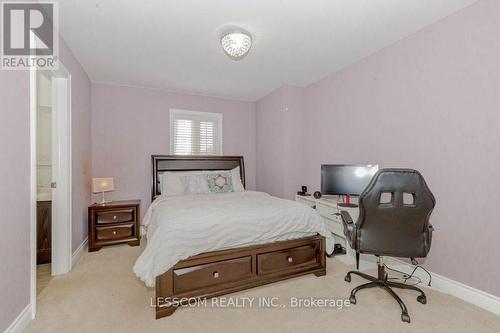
195 133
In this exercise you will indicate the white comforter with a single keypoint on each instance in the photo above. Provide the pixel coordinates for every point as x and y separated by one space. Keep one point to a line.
182 226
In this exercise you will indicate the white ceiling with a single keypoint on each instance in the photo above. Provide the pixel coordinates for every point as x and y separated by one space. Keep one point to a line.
173 44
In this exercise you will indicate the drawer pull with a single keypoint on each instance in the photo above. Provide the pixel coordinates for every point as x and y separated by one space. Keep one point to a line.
216 275
114 217
114 232
290 259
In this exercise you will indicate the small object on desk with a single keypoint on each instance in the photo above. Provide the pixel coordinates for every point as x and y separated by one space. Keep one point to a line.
347 205
347 202
304 191
317 195
114 223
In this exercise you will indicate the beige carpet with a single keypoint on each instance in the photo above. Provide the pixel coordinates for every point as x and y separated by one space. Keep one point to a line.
43 277
102 294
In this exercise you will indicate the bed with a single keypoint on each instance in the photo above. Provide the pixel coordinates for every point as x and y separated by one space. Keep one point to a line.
207 245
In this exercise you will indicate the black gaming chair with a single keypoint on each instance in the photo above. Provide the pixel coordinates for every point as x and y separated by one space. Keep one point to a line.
394 212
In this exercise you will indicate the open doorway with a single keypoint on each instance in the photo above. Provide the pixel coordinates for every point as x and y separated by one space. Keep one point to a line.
43 179
51 176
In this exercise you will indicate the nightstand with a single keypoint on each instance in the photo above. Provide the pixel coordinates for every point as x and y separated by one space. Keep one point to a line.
114 223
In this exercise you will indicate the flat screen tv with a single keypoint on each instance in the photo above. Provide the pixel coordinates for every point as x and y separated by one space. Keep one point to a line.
346 179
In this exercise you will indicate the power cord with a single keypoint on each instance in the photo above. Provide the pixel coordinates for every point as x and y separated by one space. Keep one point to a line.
405 281
407 276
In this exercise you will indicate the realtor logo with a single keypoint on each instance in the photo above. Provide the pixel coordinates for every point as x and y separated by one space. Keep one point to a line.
29 37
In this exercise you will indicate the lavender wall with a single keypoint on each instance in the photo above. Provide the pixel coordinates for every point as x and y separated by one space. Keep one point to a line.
15 174
80 136
294 104
15 195
271 143
280 142
430 102
130 124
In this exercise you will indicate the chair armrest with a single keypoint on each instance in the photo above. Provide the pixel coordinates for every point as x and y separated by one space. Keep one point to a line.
350 229
429 236
346 217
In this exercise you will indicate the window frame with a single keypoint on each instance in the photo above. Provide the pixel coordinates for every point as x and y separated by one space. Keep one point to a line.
218 116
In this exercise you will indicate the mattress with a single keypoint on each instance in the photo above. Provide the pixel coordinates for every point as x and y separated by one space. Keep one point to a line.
178 227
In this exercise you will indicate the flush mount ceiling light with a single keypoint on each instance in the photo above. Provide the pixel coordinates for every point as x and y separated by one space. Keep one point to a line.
236 43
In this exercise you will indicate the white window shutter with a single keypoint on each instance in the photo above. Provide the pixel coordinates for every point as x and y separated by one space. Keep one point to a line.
195 133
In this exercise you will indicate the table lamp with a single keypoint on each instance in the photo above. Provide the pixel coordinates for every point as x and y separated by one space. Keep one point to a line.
101 185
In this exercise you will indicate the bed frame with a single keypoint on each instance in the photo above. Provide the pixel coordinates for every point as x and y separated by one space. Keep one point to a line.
217 273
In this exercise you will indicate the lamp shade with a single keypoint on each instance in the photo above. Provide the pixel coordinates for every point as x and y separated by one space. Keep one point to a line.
102 185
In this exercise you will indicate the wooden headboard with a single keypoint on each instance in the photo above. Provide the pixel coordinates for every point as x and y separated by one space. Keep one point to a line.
163 163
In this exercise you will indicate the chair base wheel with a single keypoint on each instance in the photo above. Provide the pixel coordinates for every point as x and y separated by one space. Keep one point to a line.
382 281
422 299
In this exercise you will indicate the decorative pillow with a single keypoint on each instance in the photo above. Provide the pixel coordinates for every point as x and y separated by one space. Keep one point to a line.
220 182
195 184
235 178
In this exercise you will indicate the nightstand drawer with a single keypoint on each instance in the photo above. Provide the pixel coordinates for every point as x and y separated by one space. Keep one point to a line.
115 216
114 232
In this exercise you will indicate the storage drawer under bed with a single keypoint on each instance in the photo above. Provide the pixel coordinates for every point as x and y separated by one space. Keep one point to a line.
276 261
222 272
212 274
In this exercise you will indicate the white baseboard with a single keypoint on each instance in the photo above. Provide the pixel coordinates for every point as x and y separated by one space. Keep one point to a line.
445 285
23 319
21 322
78 252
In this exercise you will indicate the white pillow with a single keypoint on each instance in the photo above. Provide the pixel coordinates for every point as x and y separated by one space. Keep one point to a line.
237 184
196 184
171 182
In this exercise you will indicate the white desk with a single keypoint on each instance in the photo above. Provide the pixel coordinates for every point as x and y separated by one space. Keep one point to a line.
327 208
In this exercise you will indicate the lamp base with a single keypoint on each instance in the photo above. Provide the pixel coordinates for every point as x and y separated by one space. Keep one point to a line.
104 201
